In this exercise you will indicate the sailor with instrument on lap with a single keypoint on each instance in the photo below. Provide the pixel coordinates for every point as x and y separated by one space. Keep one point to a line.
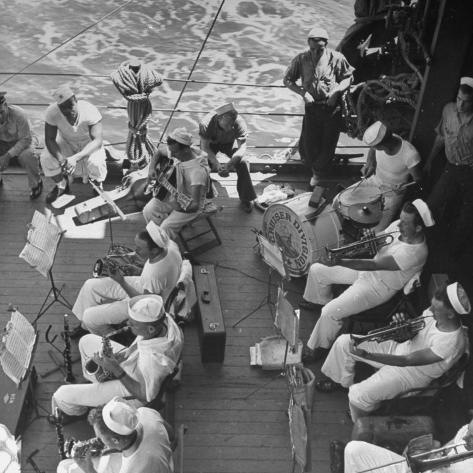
138 370
401 366
187 198
363 456
102 302
373 281
140 440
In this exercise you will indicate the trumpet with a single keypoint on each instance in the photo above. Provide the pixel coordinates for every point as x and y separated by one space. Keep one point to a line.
93 369
399 332
80 448
119 258
368 246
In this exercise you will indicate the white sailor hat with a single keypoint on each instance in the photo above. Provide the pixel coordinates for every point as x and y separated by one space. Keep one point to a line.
157 234
146 308
375 133
62 93
317 32
458 298
424 212
467 81
225 108
181 135
119 416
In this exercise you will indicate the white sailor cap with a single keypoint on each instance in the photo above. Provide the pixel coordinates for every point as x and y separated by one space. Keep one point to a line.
62 94
120 417
424 212
458 298
181 135
225 108
157 234
467 81
375 133
318 32
146 308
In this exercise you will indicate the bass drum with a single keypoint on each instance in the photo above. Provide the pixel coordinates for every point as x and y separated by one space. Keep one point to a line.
303 239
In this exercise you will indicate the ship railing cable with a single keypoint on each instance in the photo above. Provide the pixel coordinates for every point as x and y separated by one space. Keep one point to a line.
68 40
165 79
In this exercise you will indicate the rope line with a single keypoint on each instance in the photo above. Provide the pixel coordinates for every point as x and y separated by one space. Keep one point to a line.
192 69
165 79
66 41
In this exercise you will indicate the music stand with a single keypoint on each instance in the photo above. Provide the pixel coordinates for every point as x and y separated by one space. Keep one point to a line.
115 208
273 256
42 242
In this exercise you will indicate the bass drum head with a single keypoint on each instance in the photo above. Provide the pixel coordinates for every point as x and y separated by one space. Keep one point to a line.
302 241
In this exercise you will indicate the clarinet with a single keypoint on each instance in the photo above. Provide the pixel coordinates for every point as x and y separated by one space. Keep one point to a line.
59 434
67 352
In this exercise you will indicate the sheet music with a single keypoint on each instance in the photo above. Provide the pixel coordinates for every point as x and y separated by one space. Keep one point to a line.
272 255
41 243
287 319
17 347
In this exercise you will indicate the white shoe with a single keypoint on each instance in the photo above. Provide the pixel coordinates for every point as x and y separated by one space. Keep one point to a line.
314 180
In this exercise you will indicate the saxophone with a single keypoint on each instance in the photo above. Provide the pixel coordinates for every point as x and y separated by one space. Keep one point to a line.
93 369
80 448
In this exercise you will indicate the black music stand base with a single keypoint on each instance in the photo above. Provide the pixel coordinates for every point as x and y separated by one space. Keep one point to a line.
57 296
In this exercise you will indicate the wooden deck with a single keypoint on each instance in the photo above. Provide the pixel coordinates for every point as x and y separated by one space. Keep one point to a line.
235 414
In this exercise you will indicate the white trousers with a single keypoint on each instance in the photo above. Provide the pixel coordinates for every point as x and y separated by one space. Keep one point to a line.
76 399
362 294
360 456
386 383
164 215
102 302
93 166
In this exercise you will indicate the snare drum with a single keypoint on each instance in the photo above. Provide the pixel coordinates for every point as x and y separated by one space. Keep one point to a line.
302 239
362 203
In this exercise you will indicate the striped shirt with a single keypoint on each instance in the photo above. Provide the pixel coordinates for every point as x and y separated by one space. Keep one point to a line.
16 131
210 130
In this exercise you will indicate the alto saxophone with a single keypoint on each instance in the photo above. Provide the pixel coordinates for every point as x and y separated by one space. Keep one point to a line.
93 369
80 448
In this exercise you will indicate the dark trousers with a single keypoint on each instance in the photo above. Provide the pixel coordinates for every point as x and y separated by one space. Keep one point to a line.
451 202
246 191
319 136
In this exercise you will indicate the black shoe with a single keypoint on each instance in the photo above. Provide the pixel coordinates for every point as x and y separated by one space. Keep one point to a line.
55 193
308 305
65 419
36 191
77 332
247 206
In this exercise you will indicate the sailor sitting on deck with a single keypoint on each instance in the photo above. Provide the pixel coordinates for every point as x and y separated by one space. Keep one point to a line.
187 200
73 138
373 281
16 140
137 371
225 131
401 366
103 302
389 163
363 456
139 438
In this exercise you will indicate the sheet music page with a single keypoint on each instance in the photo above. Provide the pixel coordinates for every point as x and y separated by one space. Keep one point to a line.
287 319
272 255
17 347
41 243
11 367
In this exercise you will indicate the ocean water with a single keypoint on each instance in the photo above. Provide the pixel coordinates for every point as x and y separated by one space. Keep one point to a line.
252 42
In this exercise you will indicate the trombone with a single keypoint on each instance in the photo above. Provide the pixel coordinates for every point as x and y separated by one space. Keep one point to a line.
420 462
369 244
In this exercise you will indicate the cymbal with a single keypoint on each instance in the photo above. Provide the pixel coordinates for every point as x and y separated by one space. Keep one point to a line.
365 213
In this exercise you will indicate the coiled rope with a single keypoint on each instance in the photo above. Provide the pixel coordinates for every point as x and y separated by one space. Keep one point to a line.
135 82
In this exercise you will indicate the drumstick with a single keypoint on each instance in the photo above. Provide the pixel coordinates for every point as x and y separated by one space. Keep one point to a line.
358 183
401 188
